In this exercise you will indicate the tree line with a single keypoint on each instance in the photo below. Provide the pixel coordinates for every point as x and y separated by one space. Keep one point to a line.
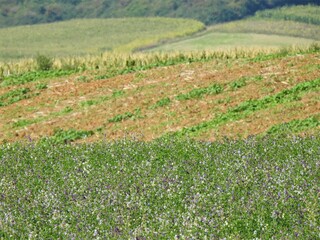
21 12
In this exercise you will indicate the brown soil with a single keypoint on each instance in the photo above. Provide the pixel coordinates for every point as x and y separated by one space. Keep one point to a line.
144 89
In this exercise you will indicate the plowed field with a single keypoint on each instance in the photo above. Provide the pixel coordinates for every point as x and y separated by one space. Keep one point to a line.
152 103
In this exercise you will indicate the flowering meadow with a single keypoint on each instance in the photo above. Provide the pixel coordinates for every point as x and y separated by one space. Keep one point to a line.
170 188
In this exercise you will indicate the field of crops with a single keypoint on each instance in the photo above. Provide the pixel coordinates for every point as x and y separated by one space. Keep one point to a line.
166 189
90 36
213 40
220 144
287 26
204 95
297 21
306 14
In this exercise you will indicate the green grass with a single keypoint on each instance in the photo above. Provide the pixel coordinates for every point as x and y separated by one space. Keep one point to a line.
296 126
90 36
16 79
199 92
214 40
165 189
161 103
66 136
14 96
121 117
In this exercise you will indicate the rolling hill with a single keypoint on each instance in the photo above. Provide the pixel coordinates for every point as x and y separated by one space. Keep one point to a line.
91 36
287 26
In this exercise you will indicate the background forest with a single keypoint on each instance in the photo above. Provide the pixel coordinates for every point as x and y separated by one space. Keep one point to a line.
21 12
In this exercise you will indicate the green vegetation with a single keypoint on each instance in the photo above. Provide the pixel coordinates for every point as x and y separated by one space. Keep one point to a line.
18 79
22 123
14 96
296 21
41 86
97 36
248 107
169 188
284 28
67 136
157 99
223 37
121 117
161 103
44 63
295 126
306 14
296 25
199 92
238 84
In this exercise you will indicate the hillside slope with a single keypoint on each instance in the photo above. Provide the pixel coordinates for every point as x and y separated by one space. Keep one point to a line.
212 11
287 26
91 36
204 95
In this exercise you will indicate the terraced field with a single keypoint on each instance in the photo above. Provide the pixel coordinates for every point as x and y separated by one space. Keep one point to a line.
206 98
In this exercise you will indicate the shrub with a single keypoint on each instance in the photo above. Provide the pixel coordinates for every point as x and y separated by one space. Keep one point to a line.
44 63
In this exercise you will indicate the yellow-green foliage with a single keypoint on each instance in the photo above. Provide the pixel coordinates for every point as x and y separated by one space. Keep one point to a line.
265 26
111 60
297 21
91 36
212 40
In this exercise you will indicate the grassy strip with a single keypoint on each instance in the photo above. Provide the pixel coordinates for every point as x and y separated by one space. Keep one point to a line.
161 103
15 96
126 116
200 92
295 126
67 136
121 117
135 65
250 106
111 65
165 189
34 76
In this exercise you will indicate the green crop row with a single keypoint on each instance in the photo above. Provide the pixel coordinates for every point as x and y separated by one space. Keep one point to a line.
250 106
67 136
126 116
33 76
296 126
199 92
161 103
15 96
